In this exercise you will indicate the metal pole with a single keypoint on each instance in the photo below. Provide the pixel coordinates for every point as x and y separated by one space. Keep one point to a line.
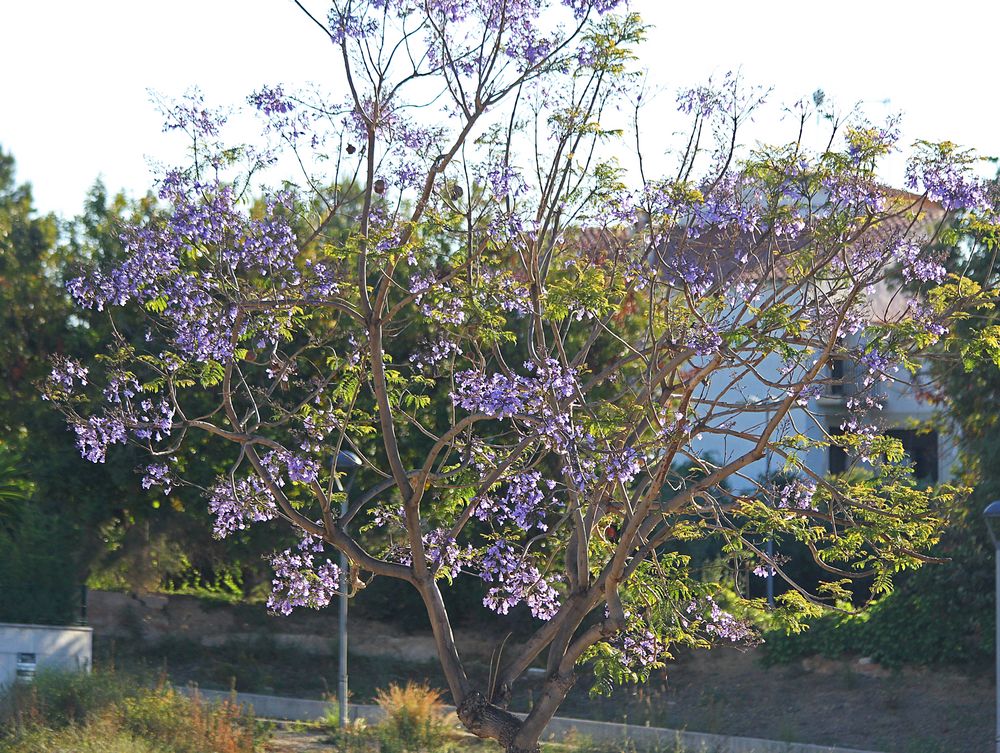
770 573
342 640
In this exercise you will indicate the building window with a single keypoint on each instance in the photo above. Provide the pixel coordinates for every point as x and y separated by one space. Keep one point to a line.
837 458
922 449
836 387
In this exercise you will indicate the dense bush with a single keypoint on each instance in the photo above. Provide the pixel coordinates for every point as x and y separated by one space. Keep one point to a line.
942 614
111 712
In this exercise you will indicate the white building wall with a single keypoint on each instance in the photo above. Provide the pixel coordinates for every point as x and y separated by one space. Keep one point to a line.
902 409
54 647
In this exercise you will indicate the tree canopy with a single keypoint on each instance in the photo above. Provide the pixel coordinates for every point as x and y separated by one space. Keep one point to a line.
526 344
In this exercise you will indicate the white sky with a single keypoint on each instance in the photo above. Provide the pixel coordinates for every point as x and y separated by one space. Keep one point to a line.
75 104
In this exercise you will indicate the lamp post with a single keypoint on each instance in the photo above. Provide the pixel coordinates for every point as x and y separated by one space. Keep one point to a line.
992 515
346 461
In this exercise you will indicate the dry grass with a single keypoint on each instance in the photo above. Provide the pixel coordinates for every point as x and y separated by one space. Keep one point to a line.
109 712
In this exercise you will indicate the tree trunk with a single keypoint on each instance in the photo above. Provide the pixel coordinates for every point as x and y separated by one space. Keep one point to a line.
483 719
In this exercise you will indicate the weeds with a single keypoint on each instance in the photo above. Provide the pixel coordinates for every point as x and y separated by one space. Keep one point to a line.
414 720
105 711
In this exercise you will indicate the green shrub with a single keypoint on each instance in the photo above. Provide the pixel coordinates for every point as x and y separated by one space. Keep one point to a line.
941 614
57 699
76 711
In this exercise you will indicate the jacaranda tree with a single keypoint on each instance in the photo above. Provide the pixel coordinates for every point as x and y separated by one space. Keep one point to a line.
462 268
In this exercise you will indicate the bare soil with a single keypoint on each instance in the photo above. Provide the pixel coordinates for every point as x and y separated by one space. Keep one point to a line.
727 691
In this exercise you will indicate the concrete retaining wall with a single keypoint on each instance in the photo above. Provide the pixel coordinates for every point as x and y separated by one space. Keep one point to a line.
53 647
300 709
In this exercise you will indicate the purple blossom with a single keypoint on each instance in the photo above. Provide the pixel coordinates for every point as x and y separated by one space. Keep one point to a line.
795 494
622 467
65 374
878 363
509 294
300 580
638 645
945 173
517 580
433 352
154 420
719 623
704 340
700 100
237 503
303 470
158 474
523 504
582 7
443 552
919 264
208 227
437 301
688 270
96 434
271 100
120 388
503 396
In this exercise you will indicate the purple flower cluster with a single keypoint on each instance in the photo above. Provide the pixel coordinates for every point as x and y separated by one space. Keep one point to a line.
65 374
237 503
120 388
517 580
154 420
523 504
271 100
703 339
795 494
878 363
158 474
437 300
701 101
765 571
919 264
443 552
502 396
622 467
181 266
300 580
688 270
302 470
945 173
638 645
719 623
582 7
95 434
433 352
505 182
508 293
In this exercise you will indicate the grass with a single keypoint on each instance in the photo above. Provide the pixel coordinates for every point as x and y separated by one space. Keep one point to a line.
108 712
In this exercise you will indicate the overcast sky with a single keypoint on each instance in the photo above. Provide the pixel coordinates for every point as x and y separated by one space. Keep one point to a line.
76 75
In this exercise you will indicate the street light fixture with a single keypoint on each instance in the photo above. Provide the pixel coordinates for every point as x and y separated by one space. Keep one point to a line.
349 463
992 515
